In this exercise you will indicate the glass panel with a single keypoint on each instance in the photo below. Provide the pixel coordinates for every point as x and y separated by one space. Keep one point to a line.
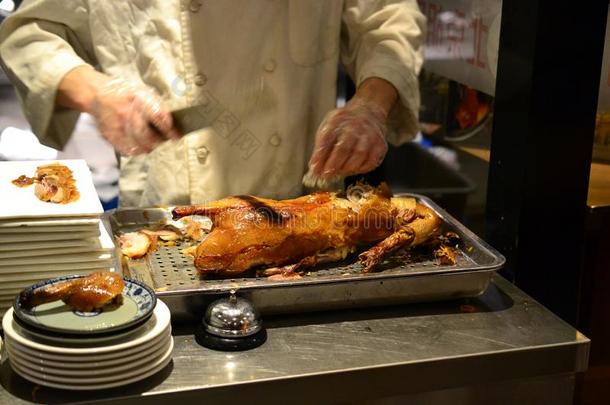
457 85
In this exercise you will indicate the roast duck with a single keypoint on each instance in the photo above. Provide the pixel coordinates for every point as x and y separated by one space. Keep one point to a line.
83 294
287 236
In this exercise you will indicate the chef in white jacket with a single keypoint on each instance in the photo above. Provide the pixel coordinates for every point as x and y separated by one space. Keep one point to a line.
263 74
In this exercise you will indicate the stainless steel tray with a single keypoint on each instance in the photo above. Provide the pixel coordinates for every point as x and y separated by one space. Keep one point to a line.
400 279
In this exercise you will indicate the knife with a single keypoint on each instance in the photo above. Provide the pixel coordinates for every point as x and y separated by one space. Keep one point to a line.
188 119
191 119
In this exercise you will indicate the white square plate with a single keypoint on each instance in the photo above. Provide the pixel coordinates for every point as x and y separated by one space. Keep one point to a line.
92 228
26 238
48 247
55 221
93 243
56 259
22 269
25 279
17 254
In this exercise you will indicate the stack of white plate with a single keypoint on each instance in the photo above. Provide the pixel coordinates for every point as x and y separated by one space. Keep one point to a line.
39 240
90 362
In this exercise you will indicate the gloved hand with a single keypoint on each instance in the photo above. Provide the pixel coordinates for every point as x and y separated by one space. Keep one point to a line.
350 140
131 117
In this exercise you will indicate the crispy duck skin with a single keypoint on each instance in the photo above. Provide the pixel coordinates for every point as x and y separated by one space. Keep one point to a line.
52 183
250 232
82 294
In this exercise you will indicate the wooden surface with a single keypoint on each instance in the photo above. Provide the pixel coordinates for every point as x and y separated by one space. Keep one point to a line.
599 182
478 152
599 185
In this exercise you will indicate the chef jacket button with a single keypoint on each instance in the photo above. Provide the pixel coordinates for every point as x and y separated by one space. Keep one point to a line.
275 139
269 66
200 79
195 5
202 154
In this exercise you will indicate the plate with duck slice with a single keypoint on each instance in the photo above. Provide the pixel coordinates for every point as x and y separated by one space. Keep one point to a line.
45 189
99 303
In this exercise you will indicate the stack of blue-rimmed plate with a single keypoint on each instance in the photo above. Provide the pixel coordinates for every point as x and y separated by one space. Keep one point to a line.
41 239
55 346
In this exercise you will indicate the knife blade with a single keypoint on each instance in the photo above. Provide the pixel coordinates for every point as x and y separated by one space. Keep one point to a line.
191 119
187 119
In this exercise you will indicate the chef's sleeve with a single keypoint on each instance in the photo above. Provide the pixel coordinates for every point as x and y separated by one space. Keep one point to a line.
384 39
41 42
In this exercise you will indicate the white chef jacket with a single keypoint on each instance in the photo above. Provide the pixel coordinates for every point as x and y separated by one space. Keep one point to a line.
263 72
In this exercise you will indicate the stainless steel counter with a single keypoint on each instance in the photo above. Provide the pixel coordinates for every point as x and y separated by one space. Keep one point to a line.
502 338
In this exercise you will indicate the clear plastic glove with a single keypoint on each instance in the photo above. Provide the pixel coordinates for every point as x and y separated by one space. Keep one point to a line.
351 140
132 117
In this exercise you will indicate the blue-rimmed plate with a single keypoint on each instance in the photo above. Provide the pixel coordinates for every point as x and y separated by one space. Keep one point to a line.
139 301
